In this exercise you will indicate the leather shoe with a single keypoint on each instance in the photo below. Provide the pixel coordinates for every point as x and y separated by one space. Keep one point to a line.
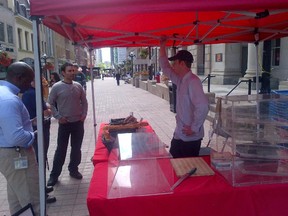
49 189
50 199
52 181
76 175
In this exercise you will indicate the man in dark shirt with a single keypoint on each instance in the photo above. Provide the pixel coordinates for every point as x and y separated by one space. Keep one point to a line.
29 100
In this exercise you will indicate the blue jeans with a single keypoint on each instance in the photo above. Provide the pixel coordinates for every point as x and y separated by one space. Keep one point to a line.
74 130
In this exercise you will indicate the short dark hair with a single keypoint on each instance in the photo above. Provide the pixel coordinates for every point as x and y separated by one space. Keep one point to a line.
19 68
63 67
20 74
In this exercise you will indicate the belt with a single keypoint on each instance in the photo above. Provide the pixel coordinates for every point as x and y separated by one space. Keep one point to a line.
16 148
12 147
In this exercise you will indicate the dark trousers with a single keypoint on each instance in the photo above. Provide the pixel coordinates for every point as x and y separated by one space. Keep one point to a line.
74 130
180 148
46 138
118 82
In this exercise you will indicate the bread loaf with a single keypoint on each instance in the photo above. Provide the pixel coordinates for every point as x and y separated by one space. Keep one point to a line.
125 126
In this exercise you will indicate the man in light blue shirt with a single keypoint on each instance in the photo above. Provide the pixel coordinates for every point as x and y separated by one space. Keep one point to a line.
191 103
16 127
17 158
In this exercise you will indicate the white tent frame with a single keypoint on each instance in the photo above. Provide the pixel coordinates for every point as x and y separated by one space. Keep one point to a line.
122 43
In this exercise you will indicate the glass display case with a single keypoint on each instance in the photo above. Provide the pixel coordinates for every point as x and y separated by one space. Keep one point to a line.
255 149
140 146
136 166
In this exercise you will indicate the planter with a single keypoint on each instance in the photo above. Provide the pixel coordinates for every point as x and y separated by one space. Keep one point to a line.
137 82
144 77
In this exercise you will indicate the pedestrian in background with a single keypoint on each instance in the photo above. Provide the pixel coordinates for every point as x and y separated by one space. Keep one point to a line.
17 157
191 103
54 78
118 78
71 112
79 76
45 88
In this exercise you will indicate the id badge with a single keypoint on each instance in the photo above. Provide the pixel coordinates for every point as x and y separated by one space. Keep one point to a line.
20 163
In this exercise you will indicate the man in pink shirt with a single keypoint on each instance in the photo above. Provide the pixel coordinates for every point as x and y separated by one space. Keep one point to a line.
191 102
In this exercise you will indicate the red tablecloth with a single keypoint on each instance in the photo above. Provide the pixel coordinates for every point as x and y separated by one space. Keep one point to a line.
101 153
210 195
201 196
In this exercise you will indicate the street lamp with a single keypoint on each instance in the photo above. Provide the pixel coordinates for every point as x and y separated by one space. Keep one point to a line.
45 65
131 55
44 62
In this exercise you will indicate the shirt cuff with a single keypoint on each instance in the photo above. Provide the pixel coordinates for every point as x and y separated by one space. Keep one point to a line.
32 139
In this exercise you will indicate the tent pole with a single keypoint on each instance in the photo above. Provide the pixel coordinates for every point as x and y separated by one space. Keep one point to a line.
39 112
257 68
257 81
256 36
93 97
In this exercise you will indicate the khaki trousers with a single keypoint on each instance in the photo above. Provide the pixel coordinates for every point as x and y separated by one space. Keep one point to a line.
22 185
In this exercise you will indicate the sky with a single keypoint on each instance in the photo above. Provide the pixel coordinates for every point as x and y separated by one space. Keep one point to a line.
106 54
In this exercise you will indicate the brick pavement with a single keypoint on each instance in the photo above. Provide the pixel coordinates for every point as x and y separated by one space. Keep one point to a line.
111 101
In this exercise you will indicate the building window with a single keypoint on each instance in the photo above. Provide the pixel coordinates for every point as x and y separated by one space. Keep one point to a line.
45 47
32 45
67 52
27 40
2 32
275 45
19 31
10 34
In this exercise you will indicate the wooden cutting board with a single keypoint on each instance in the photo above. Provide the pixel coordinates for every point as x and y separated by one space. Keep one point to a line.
184 165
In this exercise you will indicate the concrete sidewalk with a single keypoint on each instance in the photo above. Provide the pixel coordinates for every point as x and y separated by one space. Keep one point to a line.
111 101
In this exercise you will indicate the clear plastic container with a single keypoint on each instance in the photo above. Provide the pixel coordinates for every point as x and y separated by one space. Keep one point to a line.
137 166
257 142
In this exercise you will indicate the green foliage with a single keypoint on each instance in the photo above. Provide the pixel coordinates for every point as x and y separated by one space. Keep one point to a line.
143 53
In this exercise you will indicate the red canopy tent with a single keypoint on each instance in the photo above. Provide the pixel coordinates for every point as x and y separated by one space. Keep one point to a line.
138 23
124 23
55 7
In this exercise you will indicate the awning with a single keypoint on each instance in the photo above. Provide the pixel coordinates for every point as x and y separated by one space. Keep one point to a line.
138 23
